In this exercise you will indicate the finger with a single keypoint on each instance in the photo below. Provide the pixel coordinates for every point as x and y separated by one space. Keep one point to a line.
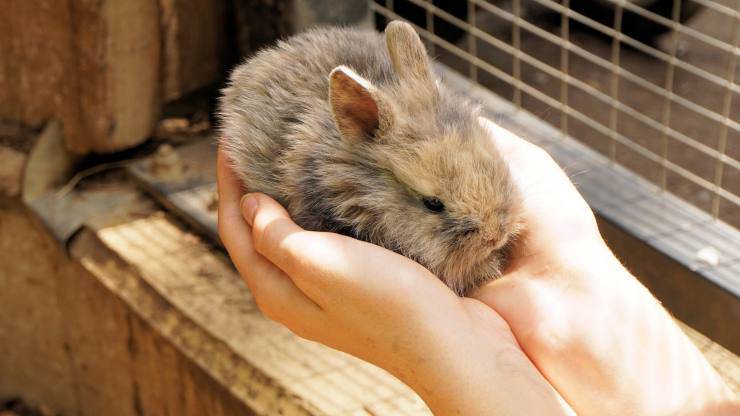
282 242
328 266
297 252
276 295
229 194
527 304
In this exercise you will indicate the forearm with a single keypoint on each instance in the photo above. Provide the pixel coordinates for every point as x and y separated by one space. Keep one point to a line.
598 336
610 346
504 386
471 372
669 366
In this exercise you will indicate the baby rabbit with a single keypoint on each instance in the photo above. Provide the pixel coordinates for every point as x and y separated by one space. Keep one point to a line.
357 136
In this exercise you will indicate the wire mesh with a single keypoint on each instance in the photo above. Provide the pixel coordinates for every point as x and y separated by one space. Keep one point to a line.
649 83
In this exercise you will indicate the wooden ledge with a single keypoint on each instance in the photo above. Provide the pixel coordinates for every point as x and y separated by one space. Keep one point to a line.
189 293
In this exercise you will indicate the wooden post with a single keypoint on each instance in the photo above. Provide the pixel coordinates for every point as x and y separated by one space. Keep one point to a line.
194 45
92 64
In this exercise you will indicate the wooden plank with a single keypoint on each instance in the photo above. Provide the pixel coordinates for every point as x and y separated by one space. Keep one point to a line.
68 342
195 41
122 366
193 297
37 58
92 64
258 23
34 363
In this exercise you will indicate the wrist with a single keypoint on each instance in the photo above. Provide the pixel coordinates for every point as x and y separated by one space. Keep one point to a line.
614 333
477 367
588 259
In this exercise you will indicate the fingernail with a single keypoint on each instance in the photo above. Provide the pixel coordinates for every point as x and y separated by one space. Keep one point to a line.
249 207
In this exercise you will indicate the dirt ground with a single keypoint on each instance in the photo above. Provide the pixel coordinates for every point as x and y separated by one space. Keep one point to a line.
681 119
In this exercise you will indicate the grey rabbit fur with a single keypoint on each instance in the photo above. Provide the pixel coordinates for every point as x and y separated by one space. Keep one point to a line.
358 136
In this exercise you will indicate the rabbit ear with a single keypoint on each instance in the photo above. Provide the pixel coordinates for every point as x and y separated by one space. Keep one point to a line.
408 55
357 109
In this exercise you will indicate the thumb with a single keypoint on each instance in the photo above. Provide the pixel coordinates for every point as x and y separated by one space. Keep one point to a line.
272 227
253 203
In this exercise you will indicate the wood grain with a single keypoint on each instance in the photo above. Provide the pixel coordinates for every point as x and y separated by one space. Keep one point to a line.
92 64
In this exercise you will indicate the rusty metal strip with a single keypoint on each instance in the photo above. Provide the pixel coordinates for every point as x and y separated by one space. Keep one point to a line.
183 180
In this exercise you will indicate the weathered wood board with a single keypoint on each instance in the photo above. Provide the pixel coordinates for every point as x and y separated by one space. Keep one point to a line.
92 64
195 44
104 68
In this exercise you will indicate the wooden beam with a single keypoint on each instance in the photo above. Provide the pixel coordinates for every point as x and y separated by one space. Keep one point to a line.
194 41
92 64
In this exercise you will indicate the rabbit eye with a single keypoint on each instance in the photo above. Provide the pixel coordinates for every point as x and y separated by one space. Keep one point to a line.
433 204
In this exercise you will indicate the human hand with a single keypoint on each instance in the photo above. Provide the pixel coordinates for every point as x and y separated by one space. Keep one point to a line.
457 353
591 328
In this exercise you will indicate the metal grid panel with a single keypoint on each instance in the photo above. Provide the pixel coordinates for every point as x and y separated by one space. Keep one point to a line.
657 219
666 107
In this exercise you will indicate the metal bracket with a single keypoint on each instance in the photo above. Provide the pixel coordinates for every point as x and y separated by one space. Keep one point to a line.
62 210
183 180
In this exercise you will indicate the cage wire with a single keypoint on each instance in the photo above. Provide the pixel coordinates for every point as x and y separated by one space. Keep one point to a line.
651 84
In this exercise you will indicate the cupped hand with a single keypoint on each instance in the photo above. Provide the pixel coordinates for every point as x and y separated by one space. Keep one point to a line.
591 328
457 353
